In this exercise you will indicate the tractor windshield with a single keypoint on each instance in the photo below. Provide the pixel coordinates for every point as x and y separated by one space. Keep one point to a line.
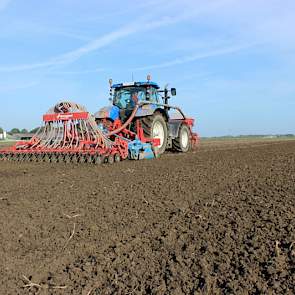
126 98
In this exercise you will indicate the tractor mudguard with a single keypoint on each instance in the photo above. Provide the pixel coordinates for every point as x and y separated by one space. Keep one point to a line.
146 110
173 127
111 112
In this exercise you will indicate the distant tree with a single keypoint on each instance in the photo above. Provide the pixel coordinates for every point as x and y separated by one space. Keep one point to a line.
1 130
33 131
14 131
24 131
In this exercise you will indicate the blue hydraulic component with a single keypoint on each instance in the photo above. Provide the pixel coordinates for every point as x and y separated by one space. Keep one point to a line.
114 113
139 151
110 112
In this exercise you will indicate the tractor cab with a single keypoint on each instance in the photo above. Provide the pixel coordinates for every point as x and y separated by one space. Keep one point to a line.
127 95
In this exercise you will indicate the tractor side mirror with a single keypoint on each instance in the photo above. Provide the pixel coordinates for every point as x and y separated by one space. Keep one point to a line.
173 91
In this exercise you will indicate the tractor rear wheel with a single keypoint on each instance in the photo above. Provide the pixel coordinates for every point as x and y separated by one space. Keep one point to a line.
183 142
155 126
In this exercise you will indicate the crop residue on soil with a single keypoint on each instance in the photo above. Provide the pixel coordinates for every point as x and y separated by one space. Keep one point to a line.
218 221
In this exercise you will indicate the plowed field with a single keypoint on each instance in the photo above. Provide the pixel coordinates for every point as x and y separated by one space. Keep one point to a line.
217 221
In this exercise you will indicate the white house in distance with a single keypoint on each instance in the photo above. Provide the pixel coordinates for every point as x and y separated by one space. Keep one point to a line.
3 135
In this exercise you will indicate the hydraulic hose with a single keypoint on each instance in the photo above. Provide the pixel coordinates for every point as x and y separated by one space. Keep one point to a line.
126 123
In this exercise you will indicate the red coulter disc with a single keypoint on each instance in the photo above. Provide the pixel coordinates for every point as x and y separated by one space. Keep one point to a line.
75 159
82 158
97 159
53 158
117 158
67 158
111 159
88 159
46 158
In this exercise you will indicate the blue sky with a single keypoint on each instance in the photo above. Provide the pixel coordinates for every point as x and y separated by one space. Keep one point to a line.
232 61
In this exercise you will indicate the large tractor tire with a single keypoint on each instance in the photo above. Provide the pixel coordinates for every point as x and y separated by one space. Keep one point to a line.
155 126
183 142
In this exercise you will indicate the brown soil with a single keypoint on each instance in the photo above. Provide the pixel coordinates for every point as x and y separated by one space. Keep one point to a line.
217 221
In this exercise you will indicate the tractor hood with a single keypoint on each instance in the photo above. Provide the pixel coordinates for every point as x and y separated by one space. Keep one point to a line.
110 112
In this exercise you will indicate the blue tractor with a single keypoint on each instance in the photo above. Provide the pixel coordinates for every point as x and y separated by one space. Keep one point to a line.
140 111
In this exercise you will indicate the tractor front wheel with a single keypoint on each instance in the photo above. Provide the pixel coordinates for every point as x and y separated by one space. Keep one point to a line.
156 127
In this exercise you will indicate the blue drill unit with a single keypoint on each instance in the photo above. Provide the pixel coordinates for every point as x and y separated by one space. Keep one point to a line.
139 151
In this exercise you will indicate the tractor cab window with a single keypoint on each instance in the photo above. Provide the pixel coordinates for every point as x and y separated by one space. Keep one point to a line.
154 96
126 98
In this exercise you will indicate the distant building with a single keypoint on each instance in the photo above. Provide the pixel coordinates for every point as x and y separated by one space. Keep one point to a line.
23 136
3 135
